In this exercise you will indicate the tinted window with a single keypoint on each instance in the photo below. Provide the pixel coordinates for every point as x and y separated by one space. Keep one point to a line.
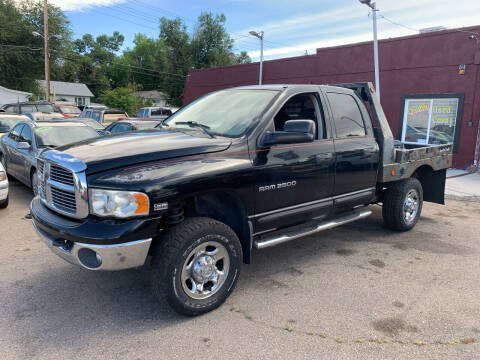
6 124
45 108
88 114
347 116
15 133
27 108
26 135
156 112
96 115
53 136
121 128
11 109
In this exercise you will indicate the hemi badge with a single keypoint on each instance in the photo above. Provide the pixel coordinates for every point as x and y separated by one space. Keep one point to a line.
160 206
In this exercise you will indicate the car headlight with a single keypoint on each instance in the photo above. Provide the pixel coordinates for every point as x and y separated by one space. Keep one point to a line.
121 204
3 176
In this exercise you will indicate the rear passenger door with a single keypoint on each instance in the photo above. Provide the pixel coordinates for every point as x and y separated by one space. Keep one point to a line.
356 150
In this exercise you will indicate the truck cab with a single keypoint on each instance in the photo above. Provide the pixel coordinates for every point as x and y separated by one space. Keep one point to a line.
236 170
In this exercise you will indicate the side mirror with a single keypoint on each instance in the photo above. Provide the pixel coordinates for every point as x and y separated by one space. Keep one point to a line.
294 131
23 145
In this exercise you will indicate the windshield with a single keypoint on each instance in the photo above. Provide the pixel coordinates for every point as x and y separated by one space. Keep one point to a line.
6 124
53 136
69 110
226 113
92 123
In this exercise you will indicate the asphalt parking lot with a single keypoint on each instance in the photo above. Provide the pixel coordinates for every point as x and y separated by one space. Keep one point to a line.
356 292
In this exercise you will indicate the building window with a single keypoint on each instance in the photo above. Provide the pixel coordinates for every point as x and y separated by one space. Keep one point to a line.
80 101
431 119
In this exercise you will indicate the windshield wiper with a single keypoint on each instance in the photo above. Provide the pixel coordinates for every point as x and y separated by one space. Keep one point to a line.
205 128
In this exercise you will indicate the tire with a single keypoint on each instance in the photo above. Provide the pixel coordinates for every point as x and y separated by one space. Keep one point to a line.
188 251
3 160
33 182
4 203
402 204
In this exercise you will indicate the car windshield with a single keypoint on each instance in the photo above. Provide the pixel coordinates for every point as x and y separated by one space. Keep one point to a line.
45 108
69 110
53 136
92 123
6 124
225 113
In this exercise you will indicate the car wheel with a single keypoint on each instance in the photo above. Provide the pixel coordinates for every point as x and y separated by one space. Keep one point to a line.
34 182
196 265
4 203
402 204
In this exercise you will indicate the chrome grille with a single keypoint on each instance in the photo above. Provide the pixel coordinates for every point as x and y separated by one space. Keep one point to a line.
64 200
61 175
63 185
41 169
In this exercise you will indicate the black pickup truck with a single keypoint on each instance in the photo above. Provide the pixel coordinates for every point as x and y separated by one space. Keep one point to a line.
236 170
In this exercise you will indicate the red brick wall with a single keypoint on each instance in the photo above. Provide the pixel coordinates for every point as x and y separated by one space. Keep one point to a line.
418 64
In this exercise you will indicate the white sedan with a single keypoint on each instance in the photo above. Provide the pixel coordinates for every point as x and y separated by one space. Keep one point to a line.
3 188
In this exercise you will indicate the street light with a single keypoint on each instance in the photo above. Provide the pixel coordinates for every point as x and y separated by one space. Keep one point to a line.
373 6
260 36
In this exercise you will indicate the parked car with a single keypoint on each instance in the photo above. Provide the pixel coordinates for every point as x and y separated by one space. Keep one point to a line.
44 116
3 187
154 113
20 148
8 121
99 128
68 111
236 170
103 116
29 106
132 124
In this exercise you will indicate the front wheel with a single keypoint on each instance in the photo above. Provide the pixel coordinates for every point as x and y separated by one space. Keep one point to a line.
402 204
4 203
34 182
196 266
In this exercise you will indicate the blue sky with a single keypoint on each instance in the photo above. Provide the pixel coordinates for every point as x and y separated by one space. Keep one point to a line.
291 27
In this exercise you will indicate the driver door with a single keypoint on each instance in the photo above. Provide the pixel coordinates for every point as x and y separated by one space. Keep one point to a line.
294 182
10 144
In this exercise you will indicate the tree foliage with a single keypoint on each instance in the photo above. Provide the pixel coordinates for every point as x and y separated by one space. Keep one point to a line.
123 98
160 63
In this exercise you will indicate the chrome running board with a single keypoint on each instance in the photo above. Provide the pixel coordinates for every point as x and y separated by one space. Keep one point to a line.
275 240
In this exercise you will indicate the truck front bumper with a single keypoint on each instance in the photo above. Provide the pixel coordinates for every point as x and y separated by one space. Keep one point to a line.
86 243
99 257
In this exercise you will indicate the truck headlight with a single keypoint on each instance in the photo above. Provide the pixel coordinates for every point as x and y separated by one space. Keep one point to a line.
120 204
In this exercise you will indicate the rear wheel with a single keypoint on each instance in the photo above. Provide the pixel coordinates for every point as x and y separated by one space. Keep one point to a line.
196 266
402 204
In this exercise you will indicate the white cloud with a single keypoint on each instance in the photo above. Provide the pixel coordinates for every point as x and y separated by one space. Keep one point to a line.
79 5
346 25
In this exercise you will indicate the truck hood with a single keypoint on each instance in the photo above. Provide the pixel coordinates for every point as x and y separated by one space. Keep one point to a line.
121 150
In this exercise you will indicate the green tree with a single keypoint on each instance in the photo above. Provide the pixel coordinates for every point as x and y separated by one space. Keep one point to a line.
122 98
21 53
93 58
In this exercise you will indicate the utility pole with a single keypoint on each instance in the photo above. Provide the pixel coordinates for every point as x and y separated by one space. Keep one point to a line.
47 56
259 35
373 6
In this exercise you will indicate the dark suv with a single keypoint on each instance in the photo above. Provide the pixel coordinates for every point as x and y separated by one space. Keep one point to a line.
31 106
